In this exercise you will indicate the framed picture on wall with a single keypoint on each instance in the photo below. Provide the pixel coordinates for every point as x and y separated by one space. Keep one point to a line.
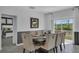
9 21
34 22
3 21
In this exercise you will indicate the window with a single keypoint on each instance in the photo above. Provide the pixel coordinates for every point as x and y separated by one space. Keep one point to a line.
64 24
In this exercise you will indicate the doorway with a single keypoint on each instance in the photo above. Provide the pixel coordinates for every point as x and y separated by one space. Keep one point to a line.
8 29
65 25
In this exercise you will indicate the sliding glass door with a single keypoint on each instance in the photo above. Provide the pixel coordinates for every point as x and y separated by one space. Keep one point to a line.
65 25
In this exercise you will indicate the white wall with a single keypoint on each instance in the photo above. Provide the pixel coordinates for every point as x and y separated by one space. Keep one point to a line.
68 13
23 18
76 17
24 23
50 17
48 21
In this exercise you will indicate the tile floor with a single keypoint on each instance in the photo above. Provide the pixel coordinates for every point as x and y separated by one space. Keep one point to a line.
69 48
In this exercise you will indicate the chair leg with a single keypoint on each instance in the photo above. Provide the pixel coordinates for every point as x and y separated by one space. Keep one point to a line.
24 50
56 49
35 51
64 46
61 47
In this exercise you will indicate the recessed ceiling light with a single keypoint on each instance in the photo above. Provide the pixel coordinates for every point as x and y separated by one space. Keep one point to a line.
32 7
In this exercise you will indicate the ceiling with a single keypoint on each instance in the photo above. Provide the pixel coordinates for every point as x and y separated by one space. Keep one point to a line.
47 9
43 9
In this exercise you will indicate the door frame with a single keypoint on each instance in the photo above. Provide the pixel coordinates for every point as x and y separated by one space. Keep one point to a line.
14 28
72 28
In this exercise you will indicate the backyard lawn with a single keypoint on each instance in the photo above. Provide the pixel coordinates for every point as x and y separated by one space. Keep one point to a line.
68 36
67 28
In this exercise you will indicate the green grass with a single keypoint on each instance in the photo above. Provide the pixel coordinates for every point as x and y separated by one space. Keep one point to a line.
67 27
68 37
64 26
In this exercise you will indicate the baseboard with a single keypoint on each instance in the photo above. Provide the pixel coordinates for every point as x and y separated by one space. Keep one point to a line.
20 44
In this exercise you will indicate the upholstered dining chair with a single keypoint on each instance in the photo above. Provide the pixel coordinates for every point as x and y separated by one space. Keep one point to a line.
59 41
34 33
27 42
40 32
63 38
50 42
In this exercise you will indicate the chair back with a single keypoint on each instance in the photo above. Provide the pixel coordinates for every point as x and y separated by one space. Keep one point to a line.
33 33
50 41
63 37
59 38
27 41
40 32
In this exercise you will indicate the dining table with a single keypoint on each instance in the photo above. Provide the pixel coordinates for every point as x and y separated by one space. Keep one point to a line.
39 40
